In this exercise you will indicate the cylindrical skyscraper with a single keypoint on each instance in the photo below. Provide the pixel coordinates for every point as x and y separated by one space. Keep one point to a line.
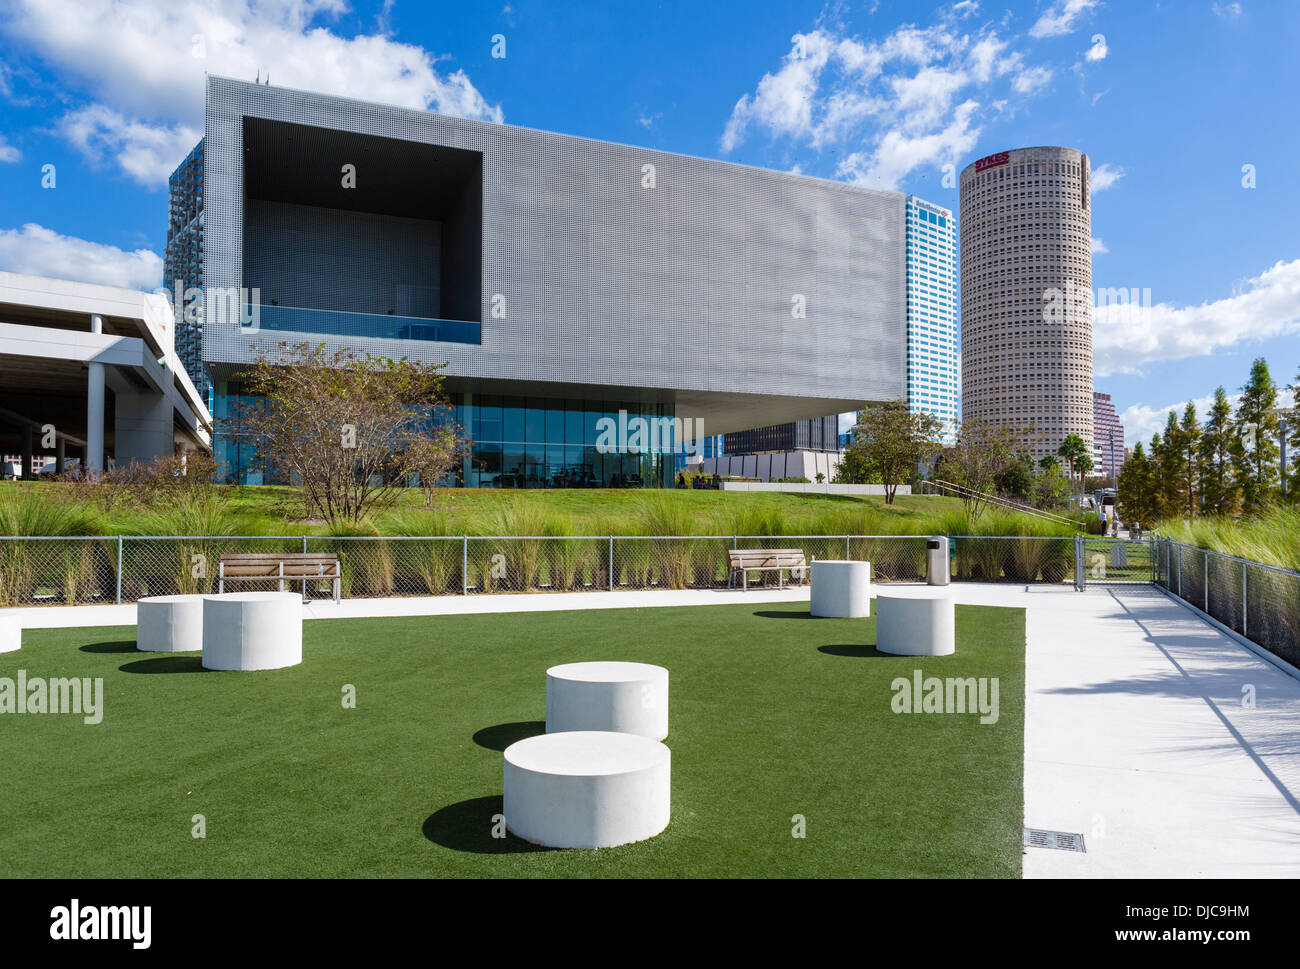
1026 295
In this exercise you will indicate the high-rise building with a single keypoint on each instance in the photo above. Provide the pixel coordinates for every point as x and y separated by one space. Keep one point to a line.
1026 293
814 434
183 264
1108 434
933 329
570 285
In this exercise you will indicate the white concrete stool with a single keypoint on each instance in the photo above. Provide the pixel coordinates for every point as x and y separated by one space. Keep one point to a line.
916 624
169 624
841 589
587 789
11 634
252 630
619 697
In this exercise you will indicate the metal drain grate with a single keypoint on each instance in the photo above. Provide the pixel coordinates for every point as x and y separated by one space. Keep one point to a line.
1060 840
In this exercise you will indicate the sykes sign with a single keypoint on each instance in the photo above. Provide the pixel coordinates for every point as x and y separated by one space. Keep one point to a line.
992 161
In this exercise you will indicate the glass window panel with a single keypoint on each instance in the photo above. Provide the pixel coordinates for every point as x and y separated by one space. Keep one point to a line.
555 421
512 419
535 421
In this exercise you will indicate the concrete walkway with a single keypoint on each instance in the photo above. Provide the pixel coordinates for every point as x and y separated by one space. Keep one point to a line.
1137 731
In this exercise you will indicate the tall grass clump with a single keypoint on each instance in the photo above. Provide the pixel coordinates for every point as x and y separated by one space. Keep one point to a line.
27 566
1272 538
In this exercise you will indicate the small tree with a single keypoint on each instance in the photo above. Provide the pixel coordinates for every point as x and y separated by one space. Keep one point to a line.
890 442
982 453
1255 450
1050 462
349 429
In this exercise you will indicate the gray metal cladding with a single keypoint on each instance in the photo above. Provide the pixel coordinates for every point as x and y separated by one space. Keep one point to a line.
684 286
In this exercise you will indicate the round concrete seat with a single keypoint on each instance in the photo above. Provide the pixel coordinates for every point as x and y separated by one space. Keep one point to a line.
11 634
587 789
841 590
169 624
918 623
252 630
618 697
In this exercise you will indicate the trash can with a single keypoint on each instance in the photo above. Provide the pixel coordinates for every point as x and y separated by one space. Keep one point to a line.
936 560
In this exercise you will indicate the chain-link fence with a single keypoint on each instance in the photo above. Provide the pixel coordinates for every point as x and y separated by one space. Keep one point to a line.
74 570
1260 602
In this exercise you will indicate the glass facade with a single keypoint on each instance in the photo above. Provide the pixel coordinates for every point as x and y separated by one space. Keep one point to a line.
521 442
933 330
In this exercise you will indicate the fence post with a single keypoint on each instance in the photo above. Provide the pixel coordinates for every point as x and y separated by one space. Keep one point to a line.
1207 581
304 545
611 563
1180 566
464 565
1245 571
1080 579
119 570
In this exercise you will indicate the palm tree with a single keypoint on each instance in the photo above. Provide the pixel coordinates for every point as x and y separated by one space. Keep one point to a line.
1073 449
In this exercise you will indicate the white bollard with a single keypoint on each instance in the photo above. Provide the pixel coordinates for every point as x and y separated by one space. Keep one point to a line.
11 634
252 630
587 789
169 624
619 697
841 590
917 624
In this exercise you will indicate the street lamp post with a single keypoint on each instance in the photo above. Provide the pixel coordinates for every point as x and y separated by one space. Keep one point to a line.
1112 459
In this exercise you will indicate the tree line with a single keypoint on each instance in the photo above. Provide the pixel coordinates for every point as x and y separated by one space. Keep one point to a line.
1227 465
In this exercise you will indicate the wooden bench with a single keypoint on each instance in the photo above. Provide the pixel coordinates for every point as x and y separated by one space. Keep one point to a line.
746 560
280 567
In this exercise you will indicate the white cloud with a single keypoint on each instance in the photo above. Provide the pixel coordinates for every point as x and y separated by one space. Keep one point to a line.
1060 18
8 153
147 153
1266 306
1228 11
37 251
1141 422
145 59
1031 79
1098 247
1098 50
966 8
909 99
1103 177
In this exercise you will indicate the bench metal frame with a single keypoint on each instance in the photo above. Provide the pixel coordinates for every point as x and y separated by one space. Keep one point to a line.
779 568
336 574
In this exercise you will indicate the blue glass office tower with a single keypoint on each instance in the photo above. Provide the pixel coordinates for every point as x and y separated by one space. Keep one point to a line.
933 327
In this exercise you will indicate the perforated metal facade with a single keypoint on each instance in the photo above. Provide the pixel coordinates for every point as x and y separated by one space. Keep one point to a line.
677 284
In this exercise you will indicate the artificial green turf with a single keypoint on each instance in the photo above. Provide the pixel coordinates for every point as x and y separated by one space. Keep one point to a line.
772 714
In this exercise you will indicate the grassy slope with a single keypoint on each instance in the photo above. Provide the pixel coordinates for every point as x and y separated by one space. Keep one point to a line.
764 725
1273 538
277 511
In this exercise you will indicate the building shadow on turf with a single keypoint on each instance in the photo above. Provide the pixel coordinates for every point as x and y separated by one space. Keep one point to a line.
165 664
117 646
468 825
860 650
502 735
780 614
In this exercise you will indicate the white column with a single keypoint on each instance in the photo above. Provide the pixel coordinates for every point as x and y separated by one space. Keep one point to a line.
95 407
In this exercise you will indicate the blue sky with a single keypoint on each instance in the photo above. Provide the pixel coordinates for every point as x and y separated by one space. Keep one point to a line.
1169 99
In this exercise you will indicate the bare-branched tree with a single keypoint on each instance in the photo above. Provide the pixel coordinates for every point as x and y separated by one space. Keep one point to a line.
349 429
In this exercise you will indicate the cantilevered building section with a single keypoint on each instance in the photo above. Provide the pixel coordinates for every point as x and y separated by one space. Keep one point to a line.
933 330
563 280
1026 290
